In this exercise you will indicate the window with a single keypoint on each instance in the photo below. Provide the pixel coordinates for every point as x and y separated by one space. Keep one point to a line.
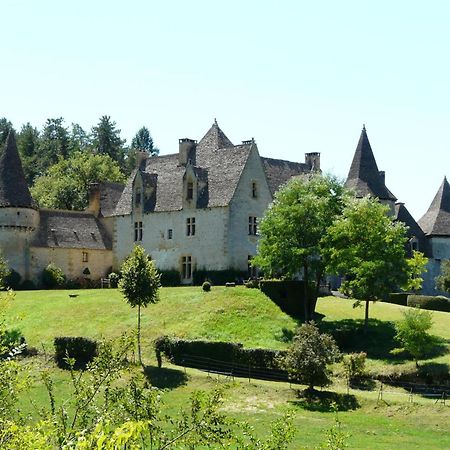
254 190
85 256
186 270
252 226
138 196
190 190
137 231
190 226
169 233
252 271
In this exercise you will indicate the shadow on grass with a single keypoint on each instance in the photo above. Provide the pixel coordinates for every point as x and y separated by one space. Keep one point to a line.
164 378
363 384
434 373
324 401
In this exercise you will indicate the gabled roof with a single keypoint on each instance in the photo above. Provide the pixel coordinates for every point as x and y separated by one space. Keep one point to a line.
109 197
13 186
279 172
71 229
364 177
436 221
214 139
403 215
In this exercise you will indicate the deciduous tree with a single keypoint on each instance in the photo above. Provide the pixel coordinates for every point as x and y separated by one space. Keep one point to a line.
443 280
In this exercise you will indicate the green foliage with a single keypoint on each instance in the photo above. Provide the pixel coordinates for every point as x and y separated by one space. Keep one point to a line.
12 280
416 268
106 140
217 277
114 279
53 277
79 139
5 128
431 302
79 350
368 247
139 284
443 280
27 285
354 365
310 355
412 332
4 271
206 286
66 184
171 277
397 298
28 147
293 226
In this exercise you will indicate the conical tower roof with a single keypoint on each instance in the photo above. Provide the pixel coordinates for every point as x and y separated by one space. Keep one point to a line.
214 139
364 176
13 187
436 221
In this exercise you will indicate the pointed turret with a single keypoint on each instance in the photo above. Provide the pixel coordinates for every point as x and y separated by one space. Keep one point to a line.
214 139
364 177
436 221
13 186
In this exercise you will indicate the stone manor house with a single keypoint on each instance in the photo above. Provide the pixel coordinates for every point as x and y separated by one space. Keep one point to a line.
195 209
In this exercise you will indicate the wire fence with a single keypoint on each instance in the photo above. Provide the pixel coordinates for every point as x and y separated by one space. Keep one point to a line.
410 392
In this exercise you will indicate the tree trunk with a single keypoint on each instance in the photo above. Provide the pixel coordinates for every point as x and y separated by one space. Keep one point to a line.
366 316
305 291
139 336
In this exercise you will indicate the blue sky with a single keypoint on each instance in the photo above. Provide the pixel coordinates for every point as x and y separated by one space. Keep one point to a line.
297 76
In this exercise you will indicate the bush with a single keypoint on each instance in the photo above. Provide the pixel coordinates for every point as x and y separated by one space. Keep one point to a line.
11 339
53 277
355 365
28 285
114 279
170 278
12 280
82 350
252 283
397 298
219 277
434 303
206 286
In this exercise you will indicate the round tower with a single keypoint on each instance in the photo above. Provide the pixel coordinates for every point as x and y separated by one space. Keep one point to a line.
19 219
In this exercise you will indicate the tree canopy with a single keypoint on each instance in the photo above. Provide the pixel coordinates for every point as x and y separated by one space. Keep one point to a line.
105 138
66 184
292 228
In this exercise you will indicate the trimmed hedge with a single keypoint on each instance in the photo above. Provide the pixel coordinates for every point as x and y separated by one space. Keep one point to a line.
83 350
287 294
397 298
431 302
218 277
179 351
170 278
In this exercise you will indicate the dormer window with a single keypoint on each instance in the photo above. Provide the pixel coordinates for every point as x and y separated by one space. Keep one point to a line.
254 190
190 190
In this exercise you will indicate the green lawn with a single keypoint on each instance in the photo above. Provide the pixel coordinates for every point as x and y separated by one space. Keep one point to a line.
247 316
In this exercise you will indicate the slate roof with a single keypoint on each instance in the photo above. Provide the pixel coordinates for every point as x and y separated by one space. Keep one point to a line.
110 194
364 177
436 221
218 167
279 172
13 187
71 229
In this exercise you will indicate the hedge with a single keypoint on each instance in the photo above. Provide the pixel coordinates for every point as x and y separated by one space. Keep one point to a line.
434 303
170 278
82 350
184 352
219 277
397 298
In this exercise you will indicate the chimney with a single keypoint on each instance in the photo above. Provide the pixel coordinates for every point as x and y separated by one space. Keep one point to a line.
382 176
186 151
141 158
312 160
94 199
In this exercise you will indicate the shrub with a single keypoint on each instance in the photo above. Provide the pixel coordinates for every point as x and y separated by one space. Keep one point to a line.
53 276
170 278
397 298
28 285
114 278
9 340
82 350
355 365
434 303
206 286
12 280
219 277
252 283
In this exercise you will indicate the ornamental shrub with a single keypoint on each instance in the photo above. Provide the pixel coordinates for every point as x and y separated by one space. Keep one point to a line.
53 277
431 302
355 365
206 286
397 298
81 349
114 279
27 285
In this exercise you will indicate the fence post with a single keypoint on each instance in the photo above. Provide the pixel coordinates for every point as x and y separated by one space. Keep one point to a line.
380 392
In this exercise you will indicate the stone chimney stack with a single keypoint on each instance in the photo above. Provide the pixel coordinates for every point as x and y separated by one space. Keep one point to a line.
94 199
141 158
186 151
312 160
382 176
